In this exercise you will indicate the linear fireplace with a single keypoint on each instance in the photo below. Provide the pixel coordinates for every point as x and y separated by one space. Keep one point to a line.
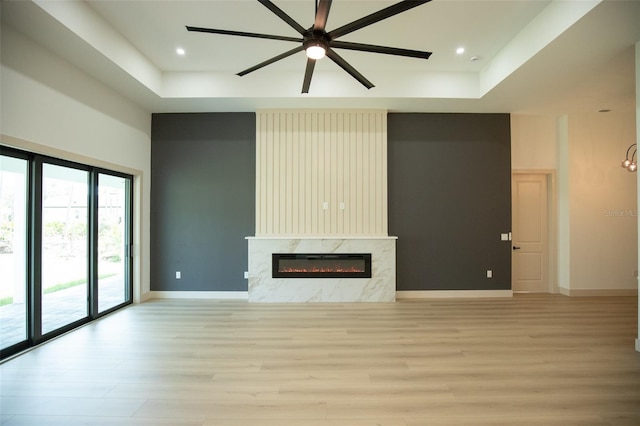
263 287
318 265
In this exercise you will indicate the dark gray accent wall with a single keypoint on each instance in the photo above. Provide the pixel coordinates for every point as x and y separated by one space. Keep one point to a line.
202 200
450 199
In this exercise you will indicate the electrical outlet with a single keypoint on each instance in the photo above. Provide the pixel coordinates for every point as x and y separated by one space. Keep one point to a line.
178 275
489 273
246 274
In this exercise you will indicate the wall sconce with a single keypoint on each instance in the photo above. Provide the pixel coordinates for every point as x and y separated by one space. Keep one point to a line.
630 164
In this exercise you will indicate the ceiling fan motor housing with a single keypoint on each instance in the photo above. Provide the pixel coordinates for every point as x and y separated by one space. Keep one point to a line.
316 38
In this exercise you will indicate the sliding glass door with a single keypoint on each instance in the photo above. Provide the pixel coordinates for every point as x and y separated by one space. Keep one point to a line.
13 250
65 246
113 241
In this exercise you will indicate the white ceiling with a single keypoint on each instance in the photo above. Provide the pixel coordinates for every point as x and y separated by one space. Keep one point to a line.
534 56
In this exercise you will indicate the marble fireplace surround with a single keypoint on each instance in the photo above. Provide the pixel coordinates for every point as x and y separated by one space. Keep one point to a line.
381 287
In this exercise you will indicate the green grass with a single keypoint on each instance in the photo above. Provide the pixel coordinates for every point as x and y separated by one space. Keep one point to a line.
69 284
62 286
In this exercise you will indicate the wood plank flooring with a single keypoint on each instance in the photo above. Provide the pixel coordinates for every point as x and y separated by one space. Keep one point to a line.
530 360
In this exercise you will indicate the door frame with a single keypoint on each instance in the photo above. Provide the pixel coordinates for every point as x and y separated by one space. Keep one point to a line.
552 221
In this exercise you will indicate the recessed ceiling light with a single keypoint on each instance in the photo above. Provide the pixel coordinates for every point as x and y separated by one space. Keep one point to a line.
475 58
460 50
180 51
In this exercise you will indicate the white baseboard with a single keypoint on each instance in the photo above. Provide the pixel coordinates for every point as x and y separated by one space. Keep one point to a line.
143 297
244 295
412 294
441 294
221 295
577 292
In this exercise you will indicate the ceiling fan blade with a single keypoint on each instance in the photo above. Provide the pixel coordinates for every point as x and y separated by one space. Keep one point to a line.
282 15
376 17
380 49
322 14
243 34
348 68
311 63
270 61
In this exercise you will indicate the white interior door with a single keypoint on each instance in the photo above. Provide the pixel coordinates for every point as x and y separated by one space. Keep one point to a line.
530 233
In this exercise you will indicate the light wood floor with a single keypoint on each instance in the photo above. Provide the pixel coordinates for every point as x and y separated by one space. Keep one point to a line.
530 360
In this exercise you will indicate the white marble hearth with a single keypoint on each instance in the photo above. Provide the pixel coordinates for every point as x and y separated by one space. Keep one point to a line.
381 287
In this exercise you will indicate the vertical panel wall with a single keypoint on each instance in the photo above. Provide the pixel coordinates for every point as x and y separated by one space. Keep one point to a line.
321 172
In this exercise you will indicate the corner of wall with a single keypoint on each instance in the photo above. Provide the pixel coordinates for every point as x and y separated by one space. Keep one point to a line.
638 175
564 237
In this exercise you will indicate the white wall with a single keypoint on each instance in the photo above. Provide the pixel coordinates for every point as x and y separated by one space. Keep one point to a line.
50 107
596 198
638 177
603 202
533 142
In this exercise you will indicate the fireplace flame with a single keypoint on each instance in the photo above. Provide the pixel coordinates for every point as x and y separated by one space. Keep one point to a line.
315 269
319 265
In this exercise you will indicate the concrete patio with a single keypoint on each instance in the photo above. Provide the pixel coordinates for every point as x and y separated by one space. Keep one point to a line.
60 308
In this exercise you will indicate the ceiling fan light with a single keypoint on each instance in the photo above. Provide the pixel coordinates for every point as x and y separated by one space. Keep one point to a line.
316 51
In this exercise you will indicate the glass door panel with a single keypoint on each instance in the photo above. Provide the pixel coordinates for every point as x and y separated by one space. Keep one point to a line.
13 251
65 260
65 242
113 285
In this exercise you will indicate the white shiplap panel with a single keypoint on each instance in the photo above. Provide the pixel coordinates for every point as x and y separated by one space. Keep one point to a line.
260 181
352 179
360 208
281 167
288 174
316 202
307 158
339 132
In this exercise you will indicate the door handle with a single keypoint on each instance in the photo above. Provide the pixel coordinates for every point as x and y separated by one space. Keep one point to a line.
516 248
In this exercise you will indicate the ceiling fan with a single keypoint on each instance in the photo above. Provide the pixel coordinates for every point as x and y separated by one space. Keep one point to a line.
317 42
